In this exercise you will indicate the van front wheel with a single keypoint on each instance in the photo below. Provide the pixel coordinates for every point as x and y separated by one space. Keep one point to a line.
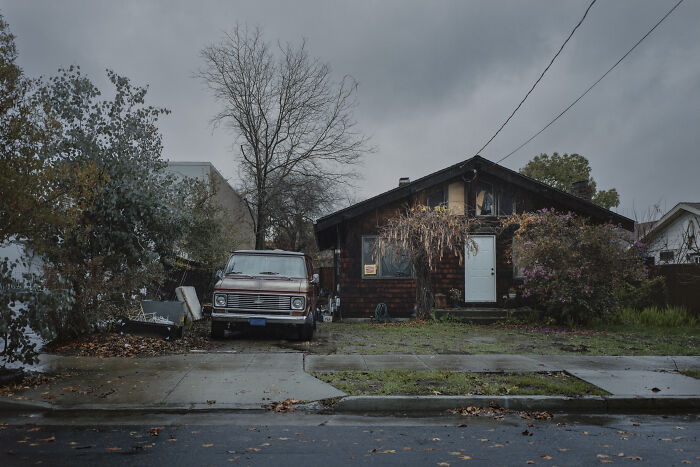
306 330
218 329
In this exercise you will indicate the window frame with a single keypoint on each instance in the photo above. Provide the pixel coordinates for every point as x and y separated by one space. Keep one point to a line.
378 265
494 199
442 191
671 253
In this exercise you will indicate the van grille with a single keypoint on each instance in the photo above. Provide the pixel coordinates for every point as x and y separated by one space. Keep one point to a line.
263 302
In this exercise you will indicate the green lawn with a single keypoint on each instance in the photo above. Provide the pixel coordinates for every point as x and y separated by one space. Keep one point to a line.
436 382
455 337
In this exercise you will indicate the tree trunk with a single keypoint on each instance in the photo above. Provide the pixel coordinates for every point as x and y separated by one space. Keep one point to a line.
424 289
260 229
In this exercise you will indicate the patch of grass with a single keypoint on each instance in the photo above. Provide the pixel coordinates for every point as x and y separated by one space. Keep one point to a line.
667 317
692 373
463 338
433 382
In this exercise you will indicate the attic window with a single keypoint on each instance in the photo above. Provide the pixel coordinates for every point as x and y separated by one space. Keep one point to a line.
435 199
506 204
485 201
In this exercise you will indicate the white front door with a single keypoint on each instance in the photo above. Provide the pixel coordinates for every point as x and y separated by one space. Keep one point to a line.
480 270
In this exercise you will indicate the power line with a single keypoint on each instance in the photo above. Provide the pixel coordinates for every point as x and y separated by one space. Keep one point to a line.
592 85
540 78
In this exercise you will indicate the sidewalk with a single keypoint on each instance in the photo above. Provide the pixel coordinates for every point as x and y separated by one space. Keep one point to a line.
233 381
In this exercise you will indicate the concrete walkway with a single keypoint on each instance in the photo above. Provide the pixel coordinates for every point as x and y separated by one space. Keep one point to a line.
247 381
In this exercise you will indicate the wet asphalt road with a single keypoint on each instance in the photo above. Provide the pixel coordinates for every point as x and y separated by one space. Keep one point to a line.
297 439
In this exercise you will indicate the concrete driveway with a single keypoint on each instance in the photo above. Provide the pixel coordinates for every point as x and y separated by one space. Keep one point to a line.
220 380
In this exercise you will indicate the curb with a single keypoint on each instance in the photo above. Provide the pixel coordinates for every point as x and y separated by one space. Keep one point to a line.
14 406
404 405
557 404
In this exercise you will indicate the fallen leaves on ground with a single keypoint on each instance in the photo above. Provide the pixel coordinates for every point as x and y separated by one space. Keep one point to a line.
112 344
27 382
155 431
496 411
286 405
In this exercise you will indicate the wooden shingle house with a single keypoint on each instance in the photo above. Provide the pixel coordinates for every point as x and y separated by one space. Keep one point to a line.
475 187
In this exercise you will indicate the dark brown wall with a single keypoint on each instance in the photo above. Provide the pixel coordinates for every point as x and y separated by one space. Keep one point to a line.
359 297
682 285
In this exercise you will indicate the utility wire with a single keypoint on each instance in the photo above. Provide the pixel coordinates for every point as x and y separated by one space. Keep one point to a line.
540 78
592 85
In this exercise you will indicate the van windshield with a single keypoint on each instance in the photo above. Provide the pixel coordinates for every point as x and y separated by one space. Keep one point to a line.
266 265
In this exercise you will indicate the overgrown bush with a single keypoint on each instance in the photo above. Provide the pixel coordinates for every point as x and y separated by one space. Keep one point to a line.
572 268
658 317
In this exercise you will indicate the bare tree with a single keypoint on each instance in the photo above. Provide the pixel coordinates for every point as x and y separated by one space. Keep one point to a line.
424 236
293 210
293 121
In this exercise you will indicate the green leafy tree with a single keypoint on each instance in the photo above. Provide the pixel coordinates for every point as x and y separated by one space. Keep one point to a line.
34 196
562 170
136 215
210 235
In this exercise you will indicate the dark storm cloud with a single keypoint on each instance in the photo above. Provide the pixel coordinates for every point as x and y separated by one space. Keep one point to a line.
436 78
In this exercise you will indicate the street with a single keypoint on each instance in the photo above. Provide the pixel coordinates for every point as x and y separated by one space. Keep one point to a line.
304 439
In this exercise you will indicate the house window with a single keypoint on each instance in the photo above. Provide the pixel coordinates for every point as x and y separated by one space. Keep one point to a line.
435 199
506 204
666 255
694 258
485 201
387 265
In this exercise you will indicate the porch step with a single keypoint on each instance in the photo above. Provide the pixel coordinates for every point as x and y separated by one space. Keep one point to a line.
476 315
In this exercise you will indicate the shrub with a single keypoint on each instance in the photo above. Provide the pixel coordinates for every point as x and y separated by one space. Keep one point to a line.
573 269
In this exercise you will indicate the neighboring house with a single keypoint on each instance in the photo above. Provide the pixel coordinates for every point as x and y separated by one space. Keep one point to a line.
475 187
28 261
234 206
673 239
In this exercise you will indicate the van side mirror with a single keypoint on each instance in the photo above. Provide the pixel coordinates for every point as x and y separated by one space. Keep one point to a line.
219 274
315 279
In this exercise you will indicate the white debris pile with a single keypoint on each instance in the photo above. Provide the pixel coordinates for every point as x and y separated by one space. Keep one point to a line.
150 318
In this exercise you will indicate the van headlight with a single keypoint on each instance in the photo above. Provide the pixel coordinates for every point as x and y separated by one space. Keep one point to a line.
220 300
298 303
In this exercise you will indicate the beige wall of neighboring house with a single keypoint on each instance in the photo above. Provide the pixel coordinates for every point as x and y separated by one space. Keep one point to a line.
229 199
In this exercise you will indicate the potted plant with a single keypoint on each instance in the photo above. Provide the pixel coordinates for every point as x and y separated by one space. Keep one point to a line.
455 297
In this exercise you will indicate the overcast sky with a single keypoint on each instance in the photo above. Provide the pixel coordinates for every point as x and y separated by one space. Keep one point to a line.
436 79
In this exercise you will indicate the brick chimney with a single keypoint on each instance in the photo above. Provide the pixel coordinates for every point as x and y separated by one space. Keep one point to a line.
404 181
582 189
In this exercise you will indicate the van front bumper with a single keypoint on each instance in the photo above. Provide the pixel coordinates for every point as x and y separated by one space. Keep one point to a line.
269 318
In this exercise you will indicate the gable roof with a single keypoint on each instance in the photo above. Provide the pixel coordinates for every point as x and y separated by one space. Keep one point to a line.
484 166
677 210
